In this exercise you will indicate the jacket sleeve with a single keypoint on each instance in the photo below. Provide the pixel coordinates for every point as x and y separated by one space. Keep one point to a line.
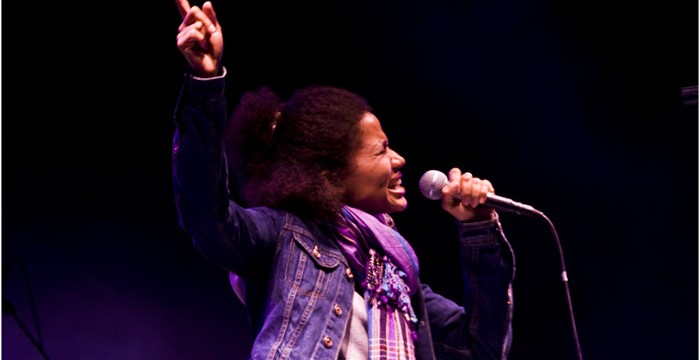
480 327
221 230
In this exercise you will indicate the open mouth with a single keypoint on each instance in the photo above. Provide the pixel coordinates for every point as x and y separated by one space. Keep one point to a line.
396 184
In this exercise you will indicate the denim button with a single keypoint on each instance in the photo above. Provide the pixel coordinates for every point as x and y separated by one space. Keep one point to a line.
316 253
349 274
327 341
338 311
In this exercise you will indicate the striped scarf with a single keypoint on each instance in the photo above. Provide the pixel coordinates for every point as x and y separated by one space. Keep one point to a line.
387 273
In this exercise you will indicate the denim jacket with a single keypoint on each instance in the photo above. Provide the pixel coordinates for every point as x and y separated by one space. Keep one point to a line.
298 286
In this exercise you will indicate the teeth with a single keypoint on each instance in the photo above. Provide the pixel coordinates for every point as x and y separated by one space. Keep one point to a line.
396 183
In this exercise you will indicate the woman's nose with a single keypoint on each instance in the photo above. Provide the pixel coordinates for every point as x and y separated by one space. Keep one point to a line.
397 160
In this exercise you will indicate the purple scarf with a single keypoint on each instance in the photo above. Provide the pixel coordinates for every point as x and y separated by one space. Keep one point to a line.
387 269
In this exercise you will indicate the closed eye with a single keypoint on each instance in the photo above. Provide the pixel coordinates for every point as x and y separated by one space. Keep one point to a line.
385 147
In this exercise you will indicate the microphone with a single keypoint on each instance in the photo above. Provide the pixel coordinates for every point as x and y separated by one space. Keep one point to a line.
432 182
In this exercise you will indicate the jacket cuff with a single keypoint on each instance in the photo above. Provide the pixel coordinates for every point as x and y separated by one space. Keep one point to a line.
206 89
479 231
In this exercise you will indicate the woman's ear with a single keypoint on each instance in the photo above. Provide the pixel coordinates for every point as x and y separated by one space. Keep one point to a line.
333 179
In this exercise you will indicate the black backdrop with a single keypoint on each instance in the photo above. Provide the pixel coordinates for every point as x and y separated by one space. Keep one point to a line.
585 110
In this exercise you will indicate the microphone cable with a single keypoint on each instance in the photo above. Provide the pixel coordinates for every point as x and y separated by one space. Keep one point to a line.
565 280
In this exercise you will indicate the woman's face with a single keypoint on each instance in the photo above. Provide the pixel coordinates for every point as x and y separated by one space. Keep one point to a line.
374 185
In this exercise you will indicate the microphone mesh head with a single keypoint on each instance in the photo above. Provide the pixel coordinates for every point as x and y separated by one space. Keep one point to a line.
431 184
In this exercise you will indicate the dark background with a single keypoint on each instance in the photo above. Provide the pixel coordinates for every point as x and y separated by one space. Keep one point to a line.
574 107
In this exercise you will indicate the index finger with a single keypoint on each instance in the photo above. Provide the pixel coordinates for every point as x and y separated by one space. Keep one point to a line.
454 174
183 6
